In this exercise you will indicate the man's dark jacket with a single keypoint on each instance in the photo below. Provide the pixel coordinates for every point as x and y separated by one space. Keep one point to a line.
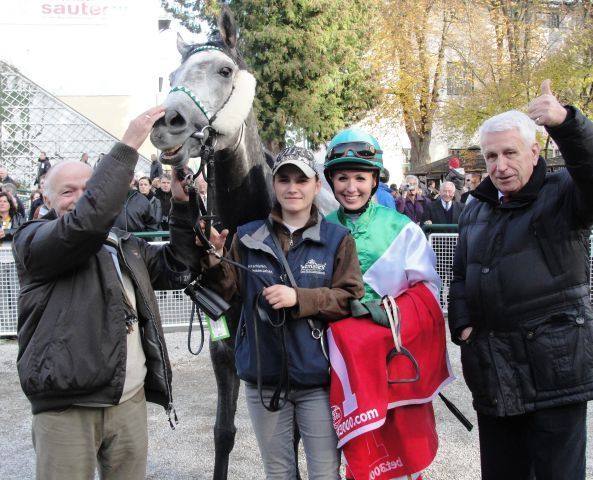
137 214
165 198
435 212
521 280
71 327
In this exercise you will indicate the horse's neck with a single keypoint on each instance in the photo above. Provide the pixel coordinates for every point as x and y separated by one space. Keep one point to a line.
242 179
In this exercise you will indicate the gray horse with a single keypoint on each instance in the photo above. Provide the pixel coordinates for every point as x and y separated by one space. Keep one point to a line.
212 92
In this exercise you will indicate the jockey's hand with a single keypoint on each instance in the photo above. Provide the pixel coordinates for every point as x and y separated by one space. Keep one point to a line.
280 296
179 184
141 126
546 109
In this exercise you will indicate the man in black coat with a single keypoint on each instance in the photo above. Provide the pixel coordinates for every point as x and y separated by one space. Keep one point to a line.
91 344
519 302
444 210
164 195
43 167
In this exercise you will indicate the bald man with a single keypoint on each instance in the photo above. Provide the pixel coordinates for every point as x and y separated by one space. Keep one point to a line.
91 344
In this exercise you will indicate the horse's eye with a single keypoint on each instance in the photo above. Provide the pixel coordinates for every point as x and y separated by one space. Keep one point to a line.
225 72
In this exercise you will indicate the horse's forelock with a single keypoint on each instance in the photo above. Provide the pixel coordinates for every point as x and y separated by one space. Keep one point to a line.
218 43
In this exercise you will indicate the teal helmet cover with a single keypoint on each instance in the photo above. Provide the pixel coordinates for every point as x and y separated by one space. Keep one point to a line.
350 159
352 135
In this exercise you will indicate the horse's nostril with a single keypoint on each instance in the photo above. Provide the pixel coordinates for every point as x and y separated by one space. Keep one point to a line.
174 120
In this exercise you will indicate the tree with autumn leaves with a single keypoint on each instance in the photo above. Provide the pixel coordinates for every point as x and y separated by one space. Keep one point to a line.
507 47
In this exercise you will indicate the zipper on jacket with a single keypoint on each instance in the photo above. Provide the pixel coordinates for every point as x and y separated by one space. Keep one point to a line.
170 409
290 241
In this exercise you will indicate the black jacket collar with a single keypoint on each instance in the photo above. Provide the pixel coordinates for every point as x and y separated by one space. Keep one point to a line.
487 192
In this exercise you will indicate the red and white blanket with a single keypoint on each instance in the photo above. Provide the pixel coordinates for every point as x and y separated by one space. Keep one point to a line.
379 441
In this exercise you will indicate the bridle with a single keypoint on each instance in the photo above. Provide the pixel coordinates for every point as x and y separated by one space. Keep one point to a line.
208 137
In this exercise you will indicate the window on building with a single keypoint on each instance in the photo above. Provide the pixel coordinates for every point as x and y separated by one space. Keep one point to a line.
459 79
553 20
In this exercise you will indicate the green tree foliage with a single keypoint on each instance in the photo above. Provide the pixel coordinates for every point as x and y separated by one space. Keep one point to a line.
309 58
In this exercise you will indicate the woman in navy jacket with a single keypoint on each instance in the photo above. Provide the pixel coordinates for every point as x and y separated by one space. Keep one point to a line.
322 258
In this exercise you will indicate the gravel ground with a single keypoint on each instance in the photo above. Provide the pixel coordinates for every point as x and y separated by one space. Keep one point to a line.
187 452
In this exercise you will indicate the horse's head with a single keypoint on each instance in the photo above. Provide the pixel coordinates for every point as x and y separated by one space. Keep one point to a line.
211 93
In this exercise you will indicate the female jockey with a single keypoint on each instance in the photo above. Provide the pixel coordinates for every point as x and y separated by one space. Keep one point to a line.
394 256
283 366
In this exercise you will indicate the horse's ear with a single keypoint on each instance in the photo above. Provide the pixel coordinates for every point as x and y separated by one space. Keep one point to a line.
227 27
182 47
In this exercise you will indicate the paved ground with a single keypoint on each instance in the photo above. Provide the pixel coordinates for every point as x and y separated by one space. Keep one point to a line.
187 452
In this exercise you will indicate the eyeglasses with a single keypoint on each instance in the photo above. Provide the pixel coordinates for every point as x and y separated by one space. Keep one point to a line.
359 149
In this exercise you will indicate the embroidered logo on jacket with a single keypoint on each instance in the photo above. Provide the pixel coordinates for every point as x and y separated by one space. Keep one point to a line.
259 268
313 267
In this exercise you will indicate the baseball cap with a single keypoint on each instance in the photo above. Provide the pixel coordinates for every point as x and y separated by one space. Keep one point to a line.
299 157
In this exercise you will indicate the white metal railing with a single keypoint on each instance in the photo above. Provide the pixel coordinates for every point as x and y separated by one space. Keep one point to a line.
175 306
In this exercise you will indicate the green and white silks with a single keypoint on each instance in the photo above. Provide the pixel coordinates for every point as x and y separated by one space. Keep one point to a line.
393 252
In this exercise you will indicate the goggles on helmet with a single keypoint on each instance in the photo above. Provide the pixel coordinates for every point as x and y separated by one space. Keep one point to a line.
359 149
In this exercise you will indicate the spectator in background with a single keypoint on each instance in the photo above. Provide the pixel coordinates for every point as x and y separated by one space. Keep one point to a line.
10 217
19 205
35 197
4 178
84 158
472 180
38 208
394 192
433 192
383 195
145 189
412 203
156 168
164 195
43 167
446 209
99 158
136 214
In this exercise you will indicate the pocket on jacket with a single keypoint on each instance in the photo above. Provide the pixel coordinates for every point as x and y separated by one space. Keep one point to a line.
476 367
560 352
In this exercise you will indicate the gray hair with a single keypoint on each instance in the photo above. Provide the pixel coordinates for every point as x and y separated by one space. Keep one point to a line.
445 184
412 177
511 120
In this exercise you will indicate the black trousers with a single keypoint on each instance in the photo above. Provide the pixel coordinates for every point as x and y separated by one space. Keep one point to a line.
548 444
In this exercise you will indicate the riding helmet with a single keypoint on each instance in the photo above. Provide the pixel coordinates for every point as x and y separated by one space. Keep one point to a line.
353 149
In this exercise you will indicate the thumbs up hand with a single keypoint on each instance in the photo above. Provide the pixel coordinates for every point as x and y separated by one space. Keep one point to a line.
546 109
